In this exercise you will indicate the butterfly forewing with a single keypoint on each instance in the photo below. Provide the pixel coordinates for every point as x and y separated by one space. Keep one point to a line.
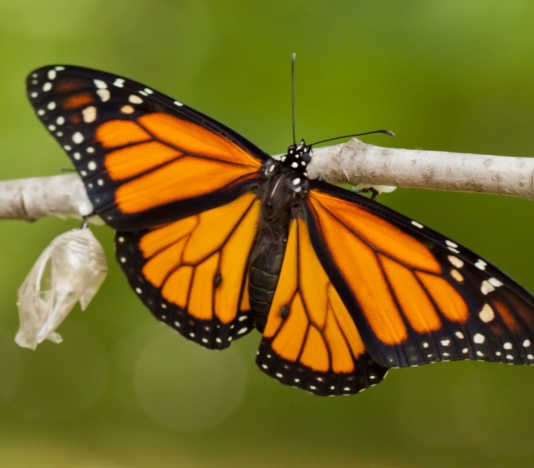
138 150
415 296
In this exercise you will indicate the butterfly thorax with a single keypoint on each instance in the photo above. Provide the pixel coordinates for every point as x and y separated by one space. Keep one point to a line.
284 188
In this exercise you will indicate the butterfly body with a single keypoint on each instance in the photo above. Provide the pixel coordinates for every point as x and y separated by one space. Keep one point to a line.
217 239
284 188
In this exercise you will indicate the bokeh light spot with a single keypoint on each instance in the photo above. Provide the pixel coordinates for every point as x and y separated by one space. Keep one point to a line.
182 385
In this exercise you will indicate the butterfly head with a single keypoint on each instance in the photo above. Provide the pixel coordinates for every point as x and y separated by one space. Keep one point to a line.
292 166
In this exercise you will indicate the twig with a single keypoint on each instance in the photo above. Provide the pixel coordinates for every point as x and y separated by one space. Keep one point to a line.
353 163
356 163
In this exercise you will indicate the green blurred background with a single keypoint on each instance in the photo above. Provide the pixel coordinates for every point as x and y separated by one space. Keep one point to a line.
122 390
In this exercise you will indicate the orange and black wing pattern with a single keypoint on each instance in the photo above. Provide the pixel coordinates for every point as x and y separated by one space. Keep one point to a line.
415 296
139 151
311 340
192 273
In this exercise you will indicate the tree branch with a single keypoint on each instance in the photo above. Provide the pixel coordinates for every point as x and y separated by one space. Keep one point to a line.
354 163
358 163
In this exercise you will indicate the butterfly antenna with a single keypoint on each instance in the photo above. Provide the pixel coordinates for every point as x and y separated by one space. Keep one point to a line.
387 132
293 57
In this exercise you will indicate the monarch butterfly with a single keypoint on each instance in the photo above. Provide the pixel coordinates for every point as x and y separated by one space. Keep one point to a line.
217 238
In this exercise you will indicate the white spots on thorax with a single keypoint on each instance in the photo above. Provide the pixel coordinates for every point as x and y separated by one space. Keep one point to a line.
495 282
51 105
459 334
455 261
60 120
479 338
89 114
486 314
457 275
127 109
100 84
417 225
294 165
77 138
486 287
104 94
91 166
481 264
178 103
119 83
47 86
445 342
52 74
526 343
134 99
77 156
296 181
507 345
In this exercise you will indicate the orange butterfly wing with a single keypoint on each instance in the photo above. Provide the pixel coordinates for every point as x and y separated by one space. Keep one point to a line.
415 296
192 273
137 150
310 340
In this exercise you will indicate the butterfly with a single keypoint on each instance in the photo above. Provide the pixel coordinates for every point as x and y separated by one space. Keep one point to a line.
217 238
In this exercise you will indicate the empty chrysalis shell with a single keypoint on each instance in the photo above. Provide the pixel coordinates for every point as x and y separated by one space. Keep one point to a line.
69 270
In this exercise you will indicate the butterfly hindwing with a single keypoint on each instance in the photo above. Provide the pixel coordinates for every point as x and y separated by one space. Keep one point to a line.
145 158
192 273
310 340
415 296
